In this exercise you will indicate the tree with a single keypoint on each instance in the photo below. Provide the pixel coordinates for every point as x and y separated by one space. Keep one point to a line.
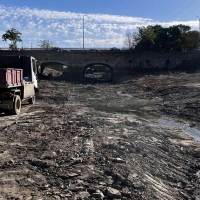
159 39
128 42
14 36
45 44
193 37
176 31
178 39
144 39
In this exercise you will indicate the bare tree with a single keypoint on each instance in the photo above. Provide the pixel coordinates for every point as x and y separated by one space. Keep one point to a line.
45 44
128 42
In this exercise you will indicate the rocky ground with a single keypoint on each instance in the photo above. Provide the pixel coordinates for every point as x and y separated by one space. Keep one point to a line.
136 138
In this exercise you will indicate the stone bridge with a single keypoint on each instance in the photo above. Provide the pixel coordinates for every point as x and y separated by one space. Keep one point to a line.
120 62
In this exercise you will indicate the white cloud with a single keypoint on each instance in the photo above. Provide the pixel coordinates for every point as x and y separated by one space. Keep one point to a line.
65 29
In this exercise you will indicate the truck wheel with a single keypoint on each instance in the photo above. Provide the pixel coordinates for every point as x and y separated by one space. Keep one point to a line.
16 105
32 100
7 112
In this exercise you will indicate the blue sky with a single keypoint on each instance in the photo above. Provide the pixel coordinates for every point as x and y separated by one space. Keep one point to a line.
106 22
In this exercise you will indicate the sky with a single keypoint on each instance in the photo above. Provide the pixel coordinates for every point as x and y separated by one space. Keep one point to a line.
96 23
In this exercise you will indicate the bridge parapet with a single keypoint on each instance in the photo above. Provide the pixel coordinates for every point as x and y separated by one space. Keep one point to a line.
122 62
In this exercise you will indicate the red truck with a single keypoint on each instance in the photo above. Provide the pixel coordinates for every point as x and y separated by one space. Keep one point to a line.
18 82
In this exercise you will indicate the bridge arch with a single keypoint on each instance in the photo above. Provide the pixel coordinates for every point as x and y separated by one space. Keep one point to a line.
46 63
103 72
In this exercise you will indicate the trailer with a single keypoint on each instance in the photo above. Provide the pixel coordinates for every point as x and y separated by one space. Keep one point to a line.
18 82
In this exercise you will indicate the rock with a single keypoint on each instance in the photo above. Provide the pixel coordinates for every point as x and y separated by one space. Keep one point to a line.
98 194
83 195
76 161
138 185
48 156
118 160
102 183
144 155
11 161
27 198
158 99
46 185
138 149
126 192
30 180
109 180
116 186
59 151
67 176
71 175
190 190
132 150
56 197
113 193
179 185
198 174
39 163
79 189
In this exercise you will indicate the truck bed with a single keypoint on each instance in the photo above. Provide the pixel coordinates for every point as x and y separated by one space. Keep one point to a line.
10 77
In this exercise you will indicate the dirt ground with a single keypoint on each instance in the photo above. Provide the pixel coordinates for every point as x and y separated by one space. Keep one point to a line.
136 138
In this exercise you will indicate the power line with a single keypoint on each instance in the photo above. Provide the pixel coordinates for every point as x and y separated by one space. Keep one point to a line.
191 11
182 9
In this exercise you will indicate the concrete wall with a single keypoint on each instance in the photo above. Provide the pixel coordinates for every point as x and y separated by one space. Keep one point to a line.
122 62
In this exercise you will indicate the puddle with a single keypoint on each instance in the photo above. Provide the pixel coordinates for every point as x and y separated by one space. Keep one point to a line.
195 133
142 108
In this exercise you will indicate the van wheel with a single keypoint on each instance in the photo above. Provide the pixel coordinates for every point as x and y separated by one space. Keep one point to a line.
32 100
16 105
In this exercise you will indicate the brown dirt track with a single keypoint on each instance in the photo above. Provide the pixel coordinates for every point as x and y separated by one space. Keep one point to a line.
125 140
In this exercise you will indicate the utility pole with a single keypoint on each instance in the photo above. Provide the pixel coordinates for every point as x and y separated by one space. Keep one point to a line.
199 34
83 32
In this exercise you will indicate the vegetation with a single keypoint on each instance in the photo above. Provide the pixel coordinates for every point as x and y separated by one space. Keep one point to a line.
14 36
159 39
45 44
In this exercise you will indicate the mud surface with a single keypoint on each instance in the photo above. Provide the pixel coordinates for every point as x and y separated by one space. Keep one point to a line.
126 140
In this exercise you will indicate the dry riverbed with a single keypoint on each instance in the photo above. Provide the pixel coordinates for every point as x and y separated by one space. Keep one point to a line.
137 138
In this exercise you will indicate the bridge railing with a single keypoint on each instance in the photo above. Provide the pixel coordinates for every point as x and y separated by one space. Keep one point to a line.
86 49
